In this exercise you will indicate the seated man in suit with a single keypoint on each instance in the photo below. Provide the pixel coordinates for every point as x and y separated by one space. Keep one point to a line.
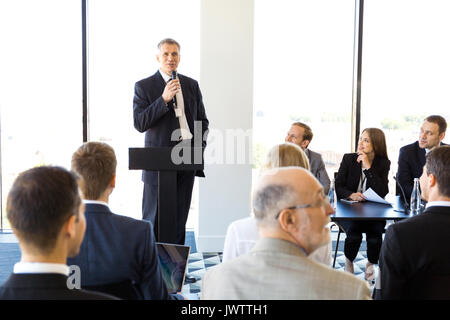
47 216
116 248
301 135
292 213
411 158
415 256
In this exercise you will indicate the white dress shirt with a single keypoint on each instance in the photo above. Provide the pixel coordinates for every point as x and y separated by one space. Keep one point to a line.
95 202
40 267
184 126
438 203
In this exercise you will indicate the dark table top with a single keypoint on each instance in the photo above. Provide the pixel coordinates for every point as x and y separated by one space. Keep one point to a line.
370 211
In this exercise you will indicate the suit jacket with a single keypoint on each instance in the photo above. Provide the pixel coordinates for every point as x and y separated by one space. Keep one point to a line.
158 121
317 168
411 160
415 257
349 175
278 269
44 286
117 248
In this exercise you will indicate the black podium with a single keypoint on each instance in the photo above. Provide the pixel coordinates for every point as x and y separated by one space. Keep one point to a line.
167 161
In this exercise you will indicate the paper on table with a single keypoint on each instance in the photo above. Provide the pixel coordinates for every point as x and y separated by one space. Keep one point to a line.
373 196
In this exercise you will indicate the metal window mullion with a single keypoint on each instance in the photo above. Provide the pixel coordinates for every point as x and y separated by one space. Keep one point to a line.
357 66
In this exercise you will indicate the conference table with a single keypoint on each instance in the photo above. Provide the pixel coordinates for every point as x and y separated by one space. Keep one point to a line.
368 210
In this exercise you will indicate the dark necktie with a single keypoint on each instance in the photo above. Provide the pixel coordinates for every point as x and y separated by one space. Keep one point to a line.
174 99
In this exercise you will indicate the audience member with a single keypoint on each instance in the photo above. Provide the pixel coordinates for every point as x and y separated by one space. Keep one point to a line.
411 158
415 257
47 216
292 213
301 134
242 234
368 168
116 248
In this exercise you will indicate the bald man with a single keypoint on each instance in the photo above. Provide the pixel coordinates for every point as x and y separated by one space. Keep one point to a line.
292 213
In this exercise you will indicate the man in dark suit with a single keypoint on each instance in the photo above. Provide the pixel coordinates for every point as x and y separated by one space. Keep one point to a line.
415 256
301 135
115 249
170 112
47 216
411 157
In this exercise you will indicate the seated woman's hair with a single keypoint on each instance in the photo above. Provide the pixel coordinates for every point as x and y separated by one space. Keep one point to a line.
378 141
286 155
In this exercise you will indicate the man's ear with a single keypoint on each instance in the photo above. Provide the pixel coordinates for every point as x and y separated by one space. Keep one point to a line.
70 226
112 183
287 220
432 182
304 144
441 136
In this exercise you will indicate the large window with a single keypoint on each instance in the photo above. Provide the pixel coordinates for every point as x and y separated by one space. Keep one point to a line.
122 50
40 86
405 72
303 72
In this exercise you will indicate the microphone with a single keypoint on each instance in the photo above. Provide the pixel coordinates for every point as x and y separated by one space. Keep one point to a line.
405 203
174 99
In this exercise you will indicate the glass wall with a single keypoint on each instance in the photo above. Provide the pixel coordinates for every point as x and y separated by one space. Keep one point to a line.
303 72
40 86
123 38
405 71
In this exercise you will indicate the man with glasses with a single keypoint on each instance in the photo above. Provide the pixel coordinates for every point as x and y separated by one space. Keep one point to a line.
292 214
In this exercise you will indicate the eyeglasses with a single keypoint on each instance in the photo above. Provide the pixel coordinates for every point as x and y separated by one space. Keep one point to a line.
323 202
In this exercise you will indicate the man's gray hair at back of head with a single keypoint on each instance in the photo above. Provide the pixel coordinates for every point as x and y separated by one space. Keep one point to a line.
271 199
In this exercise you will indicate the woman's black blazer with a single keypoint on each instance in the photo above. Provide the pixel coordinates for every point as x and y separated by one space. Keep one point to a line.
349 175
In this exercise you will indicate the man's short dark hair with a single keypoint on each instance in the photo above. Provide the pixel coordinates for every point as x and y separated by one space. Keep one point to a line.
440 121
168 41
40 201
95 163
308 134
438 164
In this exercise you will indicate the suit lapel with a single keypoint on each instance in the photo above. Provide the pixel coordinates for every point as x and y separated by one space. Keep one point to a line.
420 155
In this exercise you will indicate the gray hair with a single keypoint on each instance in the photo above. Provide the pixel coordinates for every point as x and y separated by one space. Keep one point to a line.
271 199
168 41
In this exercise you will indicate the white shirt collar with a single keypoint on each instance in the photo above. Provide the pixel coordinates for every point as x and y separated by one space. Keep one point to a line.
95 202
165 76
40 267
438 203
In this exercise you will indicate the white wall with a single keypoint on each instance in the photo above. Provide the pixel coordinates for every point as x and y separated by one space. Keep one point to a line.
226 81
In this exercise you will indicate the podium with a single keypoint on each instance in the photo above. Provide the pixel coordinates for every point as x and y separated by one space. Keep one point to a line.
167 161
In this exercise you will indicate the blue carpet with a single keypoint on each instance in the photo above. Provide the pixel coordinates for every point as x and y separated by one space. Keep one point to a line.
190 241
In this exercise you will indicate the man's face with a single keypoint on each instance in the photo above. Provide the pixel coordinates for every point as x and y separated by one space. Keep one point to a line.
429 135
424 184
312 228
295 135
168 58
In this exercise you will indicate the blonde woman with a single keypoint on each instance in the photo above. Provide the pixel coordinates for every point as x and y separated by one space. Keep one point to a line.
242 234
